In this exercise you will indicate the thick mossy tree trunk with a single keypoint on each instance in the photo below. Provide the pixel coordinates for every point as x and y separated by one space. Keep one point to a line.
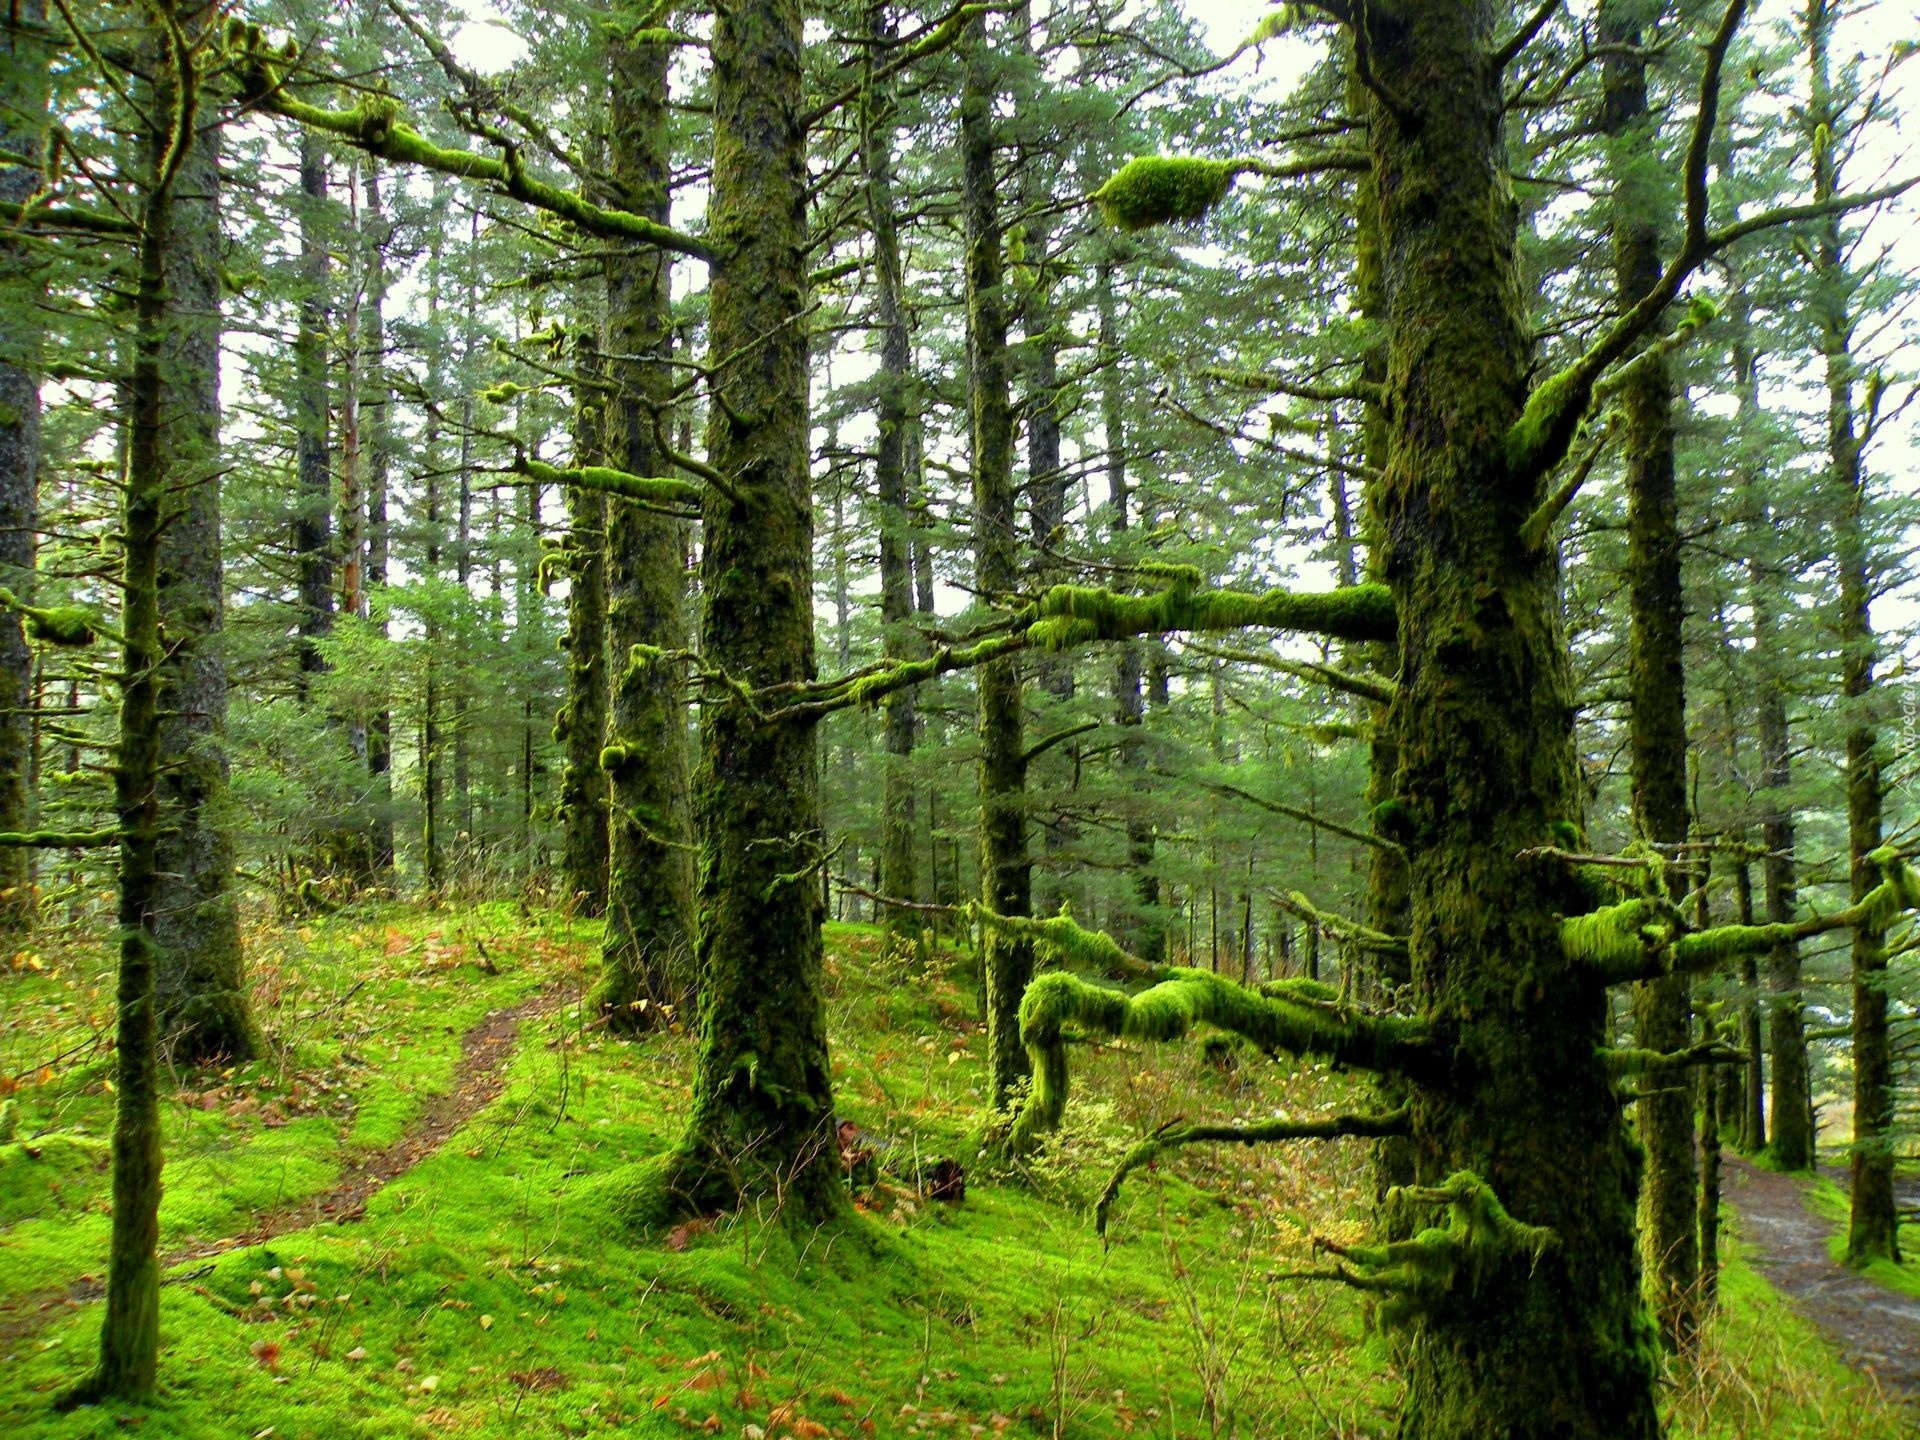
581 726
762 1116
1484 721
899 869
204 1012
647 956
1873 1227
1006 871
130 1332
23 104
1642 194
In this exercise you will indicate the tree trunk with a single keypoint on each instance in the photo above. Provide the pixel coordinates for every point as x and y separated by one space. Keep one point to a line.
1006 873
1669 1234
646 958
376 401
313 466
23 105
201 984
582 724
762 1116
1484 718
899 875
1873 1227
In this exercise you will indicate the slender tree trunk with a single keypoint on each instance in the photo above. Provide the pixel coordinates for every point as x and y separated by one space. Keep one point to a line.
1145 925
1873 1228
1554 1344
645 960
23 105
130 1332
201 978
1669 1235
898 869
1006 873
376 408
432 783
313 465
763 1100
582 725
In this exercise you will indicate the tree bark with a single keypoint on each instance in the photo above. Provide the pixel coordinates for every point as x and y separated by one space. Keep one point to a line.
646 958
582 724
1006 871
376 408
313 464
1669 1234
23 106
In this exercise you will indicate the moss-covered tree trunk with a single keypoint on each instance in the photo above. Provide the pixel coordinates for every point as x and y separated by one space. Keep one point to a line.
647 956
1143 928
581 726
130 1332
313 464
1006 870
1484 720
23 104
1669 1234
201 981
899 869
1873 1227
376 401
762 1116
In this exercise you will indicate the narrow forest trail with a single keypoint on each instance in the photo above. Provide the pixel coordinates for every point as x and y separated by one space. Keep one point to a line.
479 1077
1876 1329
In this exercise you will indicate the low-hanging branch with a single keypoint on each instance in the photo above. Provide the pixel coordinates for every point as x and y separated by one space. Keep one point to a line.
1176 1133
1645 937
57 839
375 126
1363 937
1625 1062
1070 615
1066 943
662 492
1290 1016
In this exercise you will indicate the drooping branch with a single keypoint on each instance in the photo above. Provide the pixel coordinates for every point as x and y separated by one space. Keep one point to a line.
1376 688
1175 1133
1278 1017
1341 928
1625 1061
58 839
663 492
1305 817
1067 944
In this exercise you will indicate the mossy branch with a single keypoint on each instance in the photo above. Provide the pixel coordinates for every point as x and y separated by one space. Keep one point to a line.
870 686
1341 928
35 218
1644 938
57 839
1377 689
1062 940
1479 1240
1071 615
1175 1133
1154 190
375 126
69 626
1305 817
671 494
1626 1061
1270 383
1274 1020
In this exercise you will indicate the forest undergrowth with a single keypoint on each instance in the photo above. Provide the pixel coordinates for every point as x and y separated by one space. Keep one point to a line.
485 1289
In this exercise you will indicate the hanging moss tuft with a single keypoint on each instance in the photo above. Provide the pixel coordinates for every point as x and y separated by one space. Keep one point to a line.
72 626
1160 189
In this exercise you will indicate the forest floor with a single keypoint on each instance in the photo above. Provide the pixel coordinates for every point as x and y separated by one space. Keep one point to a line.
402 1221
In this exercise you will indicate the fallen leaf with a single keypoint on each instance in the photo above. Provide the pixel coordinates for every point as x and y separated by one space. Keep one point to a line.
486 1322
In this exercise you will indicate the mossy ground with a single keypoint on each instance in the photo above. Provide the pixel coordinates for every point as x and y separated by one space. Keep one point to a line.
1828 1199
484 1293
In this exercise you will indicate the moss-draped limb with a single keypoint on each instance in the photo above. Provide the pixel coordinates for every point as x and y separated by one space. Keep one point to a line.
1066 943
871 686
1070 615
679 497
1154 190
1352 931
1375 688
375 126
1627 1061
1478 1241
57 839
72 626
1642 938
1175 1134
1168 1010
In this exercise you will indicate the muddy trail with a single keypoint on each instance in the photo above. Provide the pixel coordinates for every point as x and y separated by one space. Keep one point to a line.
479 1077
1876 1329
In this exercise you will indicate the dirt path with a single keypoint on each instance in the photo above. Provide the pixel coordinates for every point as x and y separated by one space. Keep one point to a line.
478 1078
1876 1329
